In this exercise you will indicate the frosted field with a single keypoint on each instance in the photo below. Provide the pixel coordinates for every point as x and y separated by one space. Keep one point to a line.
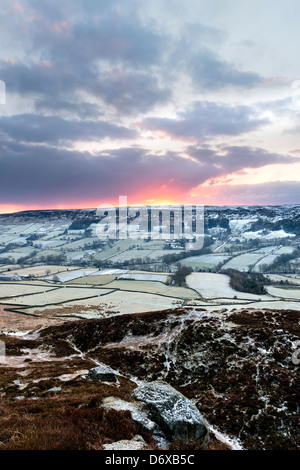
26 250
93 280
241 225
117 303
242 262
25 228
156 254
39 270
153 288
62 294
285 249
144 277
12 256
278 234
12 290
49 243
269 259
279 278
80 243
77 255
131 254
105 272
8 268
205 261
269 236
119 247
45 253
4 239
266 249
70 275
144 253
212 286
284 293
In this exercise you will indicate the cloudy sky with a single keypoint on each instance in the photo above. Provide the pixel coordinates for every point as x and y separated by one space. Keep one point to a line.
189 101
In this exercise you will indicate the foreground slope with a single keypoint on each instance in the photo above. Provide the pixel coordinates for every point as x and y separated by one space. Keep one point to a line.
237 367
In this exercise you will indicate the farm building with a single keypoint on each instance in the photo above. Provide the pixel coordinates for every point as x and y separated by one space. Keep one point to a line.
6 277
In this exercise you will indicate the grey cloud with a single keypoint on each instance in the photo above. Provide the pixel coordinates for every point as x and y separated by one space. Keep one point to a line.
40 174
211 72
129 92
126 91
53 129
233 159
207 119
273 193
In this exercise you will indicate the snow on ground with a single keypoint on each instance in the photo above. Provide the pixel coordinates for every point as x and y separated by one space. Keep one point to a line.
269 236
233 443
57 296
38 270
109 271
284 293
289 277
70 275
210 286
13 290
117 302
144 277
243 262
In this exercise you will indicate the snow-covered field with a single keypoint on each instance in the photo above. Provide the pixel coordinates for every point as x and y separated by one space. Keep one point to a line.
11 290
270 236
289 277
111 304
204 261
243 262
144 276
38 270
267 260
153 287
70 275
62 294
211 286
104 272
284 293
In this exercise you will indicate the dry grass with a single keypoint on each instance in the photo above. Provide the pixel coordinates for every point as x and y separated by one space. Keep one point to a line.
56 426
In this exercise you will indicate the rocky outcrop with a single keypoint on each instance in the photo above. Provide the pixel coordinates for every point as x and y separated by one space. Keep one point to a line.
177 416
102 373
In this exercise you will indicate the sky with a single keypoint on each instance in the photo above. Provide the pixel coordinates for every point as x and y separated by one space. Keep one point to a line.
164 101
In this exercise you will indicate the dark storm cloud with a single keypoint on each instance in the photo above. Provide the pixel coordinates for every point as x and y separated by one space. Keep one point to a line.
40 174
207 119
52 129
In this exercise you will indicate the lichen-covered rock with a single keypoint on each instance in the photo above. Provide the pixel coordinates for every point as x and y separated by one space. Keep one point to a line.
102 373
177 416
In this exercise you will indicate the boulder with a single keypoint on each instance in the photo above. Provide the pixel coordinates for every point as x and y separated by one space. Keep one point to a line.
177 416
102 373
